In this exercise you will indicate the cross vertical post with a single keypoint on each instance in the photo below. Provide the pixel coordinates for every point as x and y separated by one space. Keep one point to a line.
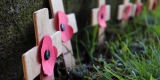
31 59
94 19
124 10
152 4
136 7
57 5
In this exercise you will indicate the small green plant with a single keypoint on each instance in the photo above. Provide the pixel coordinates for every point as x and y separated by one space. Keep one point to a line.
91 41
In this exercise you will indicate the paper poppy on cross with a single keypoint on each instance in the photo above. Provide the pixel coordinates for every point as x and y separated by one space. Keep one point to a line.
41 59
124 10
48 56
152 4
66 30
100 15
137 8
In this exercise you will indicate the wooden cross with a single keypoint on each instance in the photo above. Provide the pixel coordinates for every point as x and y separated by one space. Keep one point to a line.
31 59
121 9
134 8
57 5
152 4
94 19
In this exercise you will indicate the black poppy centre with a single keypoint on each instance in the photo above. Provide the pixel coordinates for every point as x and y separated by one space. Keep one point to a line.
47 55
102 15
62 27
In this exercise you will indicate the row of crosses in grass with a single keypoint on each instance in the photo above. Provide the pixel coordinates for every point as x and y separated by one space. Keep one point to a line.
53 36
126 10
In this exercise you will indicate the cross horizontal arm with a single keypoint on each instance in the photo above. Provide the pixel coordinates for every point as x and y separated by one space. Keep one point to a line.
72 21
57 5
31 59
121 10
94 15
31 64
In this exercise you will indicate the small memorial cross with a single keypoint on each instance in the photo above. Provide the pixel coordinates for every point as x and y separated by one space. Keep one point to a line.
41 58
152 4
137 8
68 26
99 16
124 11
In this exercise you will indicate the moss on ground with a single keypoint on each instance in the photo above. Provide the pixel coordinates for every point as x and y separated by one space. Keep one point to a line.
16 34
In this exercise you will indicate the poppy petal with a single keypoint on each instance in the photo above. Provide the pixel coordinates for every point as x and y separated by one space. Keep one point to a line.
126 12
102 16
139 8
67 34
154 4
48 65
62 18
66 30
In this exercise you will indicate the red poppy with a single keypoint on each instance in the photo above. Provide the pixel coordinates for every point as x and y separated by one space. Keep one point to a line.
139 8
48 55
154 4
102 16
61 23
126 12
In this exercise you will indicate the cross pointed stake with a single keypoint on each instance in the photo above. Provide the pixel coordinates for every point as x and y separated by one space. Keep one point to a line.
124 11
32 66
94 19
57 5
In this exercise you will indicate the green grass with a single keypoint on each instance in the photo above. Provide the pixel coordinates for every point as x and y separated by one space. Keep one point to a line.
135 52
127 63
